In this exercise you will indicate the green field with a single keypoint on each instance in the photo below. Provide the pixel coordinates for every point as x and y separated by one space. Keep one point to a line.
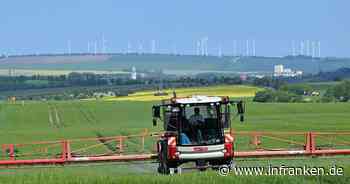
22 123
52 72
81 119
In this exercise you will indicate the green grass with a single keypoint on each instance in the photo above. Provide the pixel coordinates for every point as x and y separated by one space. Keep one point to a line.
82 119
57 177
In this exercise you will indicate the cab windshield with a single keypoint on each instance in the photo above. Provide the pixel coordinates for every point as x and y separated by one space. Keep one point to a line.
200 125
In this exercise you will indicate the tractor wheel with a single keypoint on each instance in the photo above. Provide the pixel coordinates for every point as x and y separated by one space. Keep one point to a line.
163 167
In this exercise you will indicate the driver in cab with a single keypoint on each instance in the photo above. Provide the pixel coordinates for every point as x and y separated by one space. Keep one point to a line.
196 118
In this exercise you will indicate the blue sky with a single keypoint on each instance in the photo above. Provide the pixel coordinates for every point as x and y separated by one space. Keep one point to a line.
41 26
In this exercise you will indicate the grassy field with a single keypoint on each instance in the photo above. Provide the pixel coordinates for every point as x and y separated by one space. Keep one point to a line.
48 72
194 178
44 121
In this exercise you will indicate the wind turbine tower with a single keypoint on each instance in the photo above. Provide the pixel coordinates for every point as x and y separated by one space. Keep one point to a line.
247 48
307 47
104 49
204 46
88 47
234 48
319 49
198 48
220 52
253 42
69 45
153 45
95 48
302 48
313 47
129 48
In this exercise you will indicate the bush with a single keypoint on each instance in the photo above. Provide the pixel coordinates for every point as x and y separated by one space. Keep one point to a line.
264 96
282 96
340 92
299 89
327 99
276 96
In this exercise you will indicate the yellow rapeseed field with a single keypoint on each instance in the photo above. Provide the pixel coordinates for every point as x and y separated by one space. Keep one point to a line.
227 90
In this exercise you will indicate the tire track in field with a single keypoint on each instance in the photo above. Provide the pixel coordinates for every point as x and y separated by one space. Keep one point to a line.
54 116
91 122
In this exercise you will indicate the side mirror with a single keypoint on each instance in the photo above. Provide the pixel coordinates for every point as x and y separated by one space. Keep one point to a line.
241 110
155 114
154 122
241 118
156 111
240 107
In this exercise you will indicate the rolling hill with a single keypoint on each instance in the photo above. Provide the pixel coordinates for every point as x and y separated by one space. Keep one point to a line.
172 63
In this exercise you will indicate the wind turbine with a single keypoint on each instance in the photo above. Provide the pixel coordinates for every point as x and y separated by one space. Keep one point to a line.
88 47
95 47
302 48
198 48
247 48
69 45
220 52
234 47
104 41
319 49
153 46
129 48
253 42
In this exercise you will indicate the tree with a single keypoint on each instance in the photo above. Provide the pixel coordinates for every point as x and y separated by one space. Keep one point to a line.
340 92
299 89
264 96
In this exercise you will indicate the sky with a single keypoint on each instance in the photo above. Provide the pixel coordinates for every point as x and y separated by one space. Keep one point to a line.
42 26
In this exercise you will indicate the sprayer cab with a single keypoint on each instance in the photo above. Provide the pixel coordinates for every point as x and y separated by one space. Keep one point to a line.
195 130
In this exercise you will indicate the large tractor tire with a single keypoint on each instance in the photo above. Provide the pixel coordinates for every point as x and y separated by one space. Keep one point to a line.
165 165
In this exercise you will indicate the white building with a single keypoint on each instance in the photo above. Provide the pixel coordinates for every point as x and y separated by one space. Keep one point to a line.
133 73
280 71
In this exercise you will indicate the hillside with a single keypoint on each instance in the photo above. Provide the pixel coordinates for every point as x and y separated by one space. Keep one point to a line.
172 63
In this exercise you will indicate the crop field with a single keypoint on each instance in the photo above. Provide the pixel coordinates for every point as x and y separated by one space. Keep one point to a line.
48 72
57 120
232 91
